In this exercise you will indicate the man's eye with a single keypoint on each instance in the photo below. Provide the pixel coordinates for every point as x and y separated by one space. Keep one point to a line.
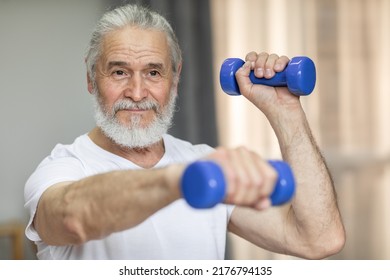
154 73
119 73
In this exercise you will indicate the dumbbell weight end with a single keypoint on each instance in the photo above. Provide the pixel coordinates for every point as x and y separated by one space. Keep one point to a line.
285 184
203 184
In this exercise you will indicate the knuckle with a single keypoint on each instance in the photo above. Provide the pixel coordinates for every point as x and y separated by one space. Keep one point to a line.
271 175
232 179
258 183
246 184
242 149
261 59
221 152
251 56
263 54
284 58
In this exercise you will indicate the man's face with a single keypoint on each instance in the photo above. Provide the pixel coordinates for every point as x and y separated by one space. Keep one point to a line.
134 80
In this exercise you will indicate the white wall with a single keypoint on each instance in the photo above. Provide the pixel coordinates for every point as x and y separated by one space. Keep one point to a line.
43 94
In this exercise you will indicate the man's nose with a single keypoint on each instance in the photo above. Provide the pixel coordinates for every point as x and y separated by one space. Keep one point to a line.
136 89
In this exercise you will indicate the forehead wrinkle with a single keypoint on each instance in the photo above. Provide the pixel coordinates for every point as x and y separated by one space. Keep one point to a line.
136 41
150 51
116 52
149 65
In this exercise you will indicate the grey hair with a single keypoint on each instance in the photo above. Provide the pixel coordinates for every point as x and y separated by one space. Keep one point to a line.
130 15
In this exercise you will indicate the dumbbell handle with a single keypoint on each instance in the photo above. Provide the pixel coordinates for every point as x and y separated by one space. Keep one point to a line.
203 184
299 76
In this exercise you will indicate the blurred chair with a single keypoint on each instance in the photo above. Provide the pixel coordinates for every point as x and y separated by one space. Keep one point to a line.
14 230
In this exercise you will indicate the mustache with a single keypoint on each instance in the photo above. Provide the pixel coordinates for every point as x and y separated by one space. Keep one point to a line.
131 105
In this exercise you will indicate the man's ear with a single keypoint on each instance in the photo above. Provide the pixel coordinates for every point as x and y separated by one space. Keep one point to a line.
90 84
89 80
177 76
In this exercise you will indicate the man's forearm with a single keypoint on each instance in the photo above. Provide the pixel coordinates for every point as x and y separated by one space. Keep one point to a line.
314 207
99 205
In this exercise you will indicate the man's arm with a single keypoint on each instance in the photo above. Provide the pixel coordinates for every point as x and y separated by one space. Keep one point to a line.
94 207
311 226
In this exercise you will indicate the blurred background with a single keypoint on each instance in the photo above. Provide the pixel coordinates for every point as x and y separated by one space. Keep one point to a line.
44 98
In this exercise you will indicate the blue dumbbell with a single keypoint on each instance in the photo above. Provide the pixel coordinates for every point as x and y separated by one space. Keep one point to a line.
203 184
299 76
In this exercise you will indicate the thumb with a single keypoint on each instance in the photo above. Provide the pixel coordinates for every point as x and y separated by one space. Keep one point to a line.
247 88
242 77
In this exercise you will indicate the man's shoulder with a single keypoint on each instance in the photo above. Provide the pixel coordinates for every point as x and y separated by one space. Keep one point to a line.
69 150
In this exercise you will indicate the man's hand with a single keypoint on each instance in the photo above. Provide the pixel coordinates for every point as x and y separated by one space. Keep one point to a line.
268 99
250 179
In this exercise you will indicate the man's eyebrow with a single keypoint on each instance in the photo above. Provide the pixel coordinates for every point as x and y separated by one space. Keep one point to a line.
158 66
124 63
117 63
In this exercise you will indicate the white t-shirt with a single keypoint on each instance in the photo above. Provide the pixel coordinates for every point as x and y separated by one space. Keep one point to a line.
175 232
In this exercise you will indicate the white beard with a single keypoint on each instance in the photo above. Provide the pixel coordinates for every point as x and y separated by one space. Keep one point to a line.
133 135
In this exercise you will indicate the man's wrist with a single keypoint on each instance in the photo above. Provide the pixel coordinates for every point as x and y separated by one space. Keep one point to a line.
173 174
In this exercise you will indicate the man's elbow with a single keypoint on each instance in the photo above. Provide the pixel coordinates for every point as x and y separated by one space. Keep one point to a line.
74 231
327 246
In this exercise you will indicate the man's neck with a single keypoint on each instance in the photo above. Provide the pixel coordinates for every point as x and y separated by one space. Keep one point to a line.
143 157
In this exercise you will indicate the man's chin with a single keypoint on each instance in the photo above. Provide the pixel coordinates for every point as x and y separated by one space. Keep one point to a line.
134 137
135 123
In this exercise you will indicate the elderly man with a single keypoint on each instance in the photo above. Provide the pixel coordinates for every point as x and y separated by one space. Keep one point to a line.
115 192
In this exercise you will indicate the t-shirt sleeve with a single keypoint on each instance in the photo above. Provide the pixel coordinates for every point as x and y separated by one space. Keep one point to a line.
51 171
